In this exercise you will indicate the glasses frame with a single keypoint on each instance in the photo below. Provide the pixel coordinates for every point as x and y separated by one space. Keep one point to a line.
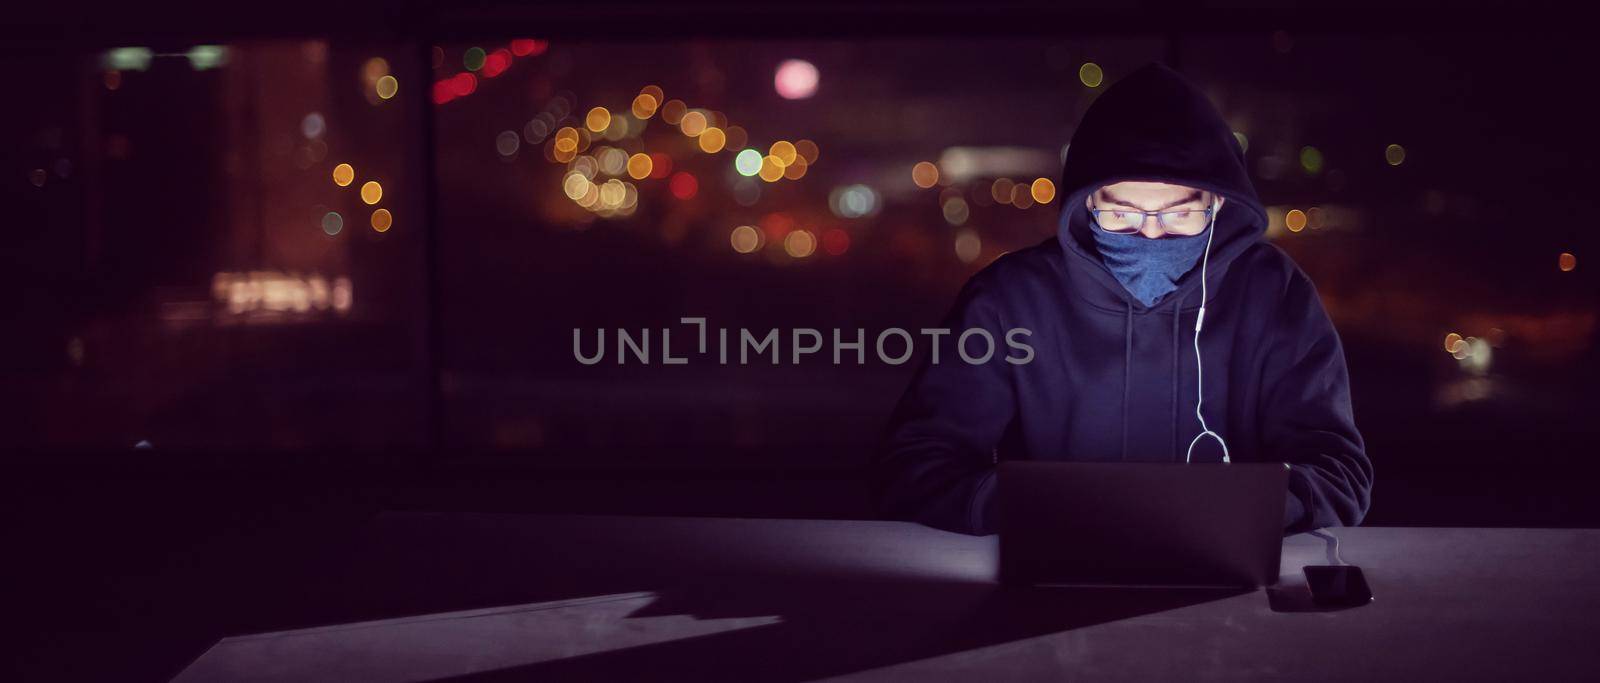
1160 220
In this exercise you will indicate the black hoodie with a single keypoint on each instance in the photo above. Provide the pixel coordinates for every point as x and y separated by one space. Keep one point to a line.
1113 379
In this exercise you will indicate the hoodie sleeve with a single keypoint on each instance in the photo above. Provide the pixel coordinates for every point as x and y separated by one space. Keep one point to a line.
1306 418
937 463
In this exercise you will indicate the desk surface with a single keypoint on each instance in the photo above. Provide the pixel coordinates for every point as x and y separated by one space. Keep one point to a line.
416 597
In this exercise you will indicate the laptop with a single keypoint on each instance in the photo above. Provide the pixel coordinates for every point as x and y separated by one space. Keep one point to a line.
1141 524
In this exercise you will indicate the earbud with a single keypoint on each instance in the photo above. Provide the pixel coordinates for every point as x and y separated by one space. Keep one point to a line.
1199 321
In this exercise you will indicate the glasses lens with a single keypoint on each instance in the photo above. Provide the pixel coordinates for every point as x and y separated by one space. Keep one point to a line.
1183 221
1120 221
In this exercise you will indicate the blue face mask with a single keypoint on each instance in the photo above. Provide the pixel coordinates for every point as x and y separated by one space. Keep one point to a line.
1148 268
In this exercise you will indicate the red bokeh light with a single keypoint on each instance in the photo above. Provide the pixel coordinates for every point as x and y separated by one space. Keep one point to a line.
660 165
464 84
526 47
684 185
496 63
777 225
835 241
443 91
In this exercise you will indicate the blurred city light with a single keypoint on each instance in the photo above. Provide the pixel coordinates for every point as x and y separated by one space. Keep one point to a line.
1394 154
128 58
382 220
1091 75
683 185
925 174
748 162
332 223
1295 220
343 175
800 243
1311 159
1567 262
371 192
745 239
968 245
796 79
202 57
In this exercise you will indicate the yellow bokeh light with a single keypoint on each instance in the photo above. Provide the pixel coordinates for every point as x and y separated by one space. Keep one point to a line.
771 169
371 192
784 151
1567 262
1394 154
597 119
925 174
644 106
807 150
745 239
712 140
639 166
343 175
382 220
575 185
1295 220
800 243
1450 341
387 87
692 124
1091 74
1044 191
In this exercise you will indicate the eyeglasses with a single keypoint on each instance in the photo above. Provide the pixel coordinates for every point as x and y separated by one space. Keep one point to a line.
1126 221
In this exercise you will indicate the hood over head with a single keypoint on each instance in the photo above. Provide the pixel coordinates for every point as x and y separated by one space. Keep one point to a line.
1154 125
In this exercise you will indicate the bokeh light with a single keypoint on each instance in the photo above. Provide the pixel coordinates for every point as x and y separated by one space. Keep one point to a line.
693 123
639 166
796 79
473 58
1043 190
644 106
835 241
332 223
1295 220
343 175
507 142
712 140
771 169
387 86
747 162
683 185
1311 159
1394 154
597 119
968 246
382 220
800 243
807 150
745 239
1567 262
784 151
371 192
925 174
1091 75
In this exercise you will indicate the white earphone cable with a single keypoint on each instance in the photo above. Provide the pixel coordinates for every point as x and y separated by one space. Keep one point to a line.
1199 369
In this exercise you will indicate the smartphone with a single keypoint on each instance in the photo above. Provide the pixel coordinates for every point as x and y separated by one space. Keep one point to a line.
1338 586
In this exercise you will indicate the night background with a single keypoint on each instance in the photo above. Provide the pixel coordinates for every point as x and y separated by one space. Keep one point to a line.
272 269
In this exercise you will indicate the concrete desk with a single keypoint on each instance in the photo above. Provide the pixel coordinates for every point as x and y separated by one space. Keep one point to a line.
418 597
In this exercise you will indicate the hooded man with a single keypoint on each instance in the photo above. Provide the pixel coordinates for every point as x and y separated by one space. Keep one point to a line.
1159 220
